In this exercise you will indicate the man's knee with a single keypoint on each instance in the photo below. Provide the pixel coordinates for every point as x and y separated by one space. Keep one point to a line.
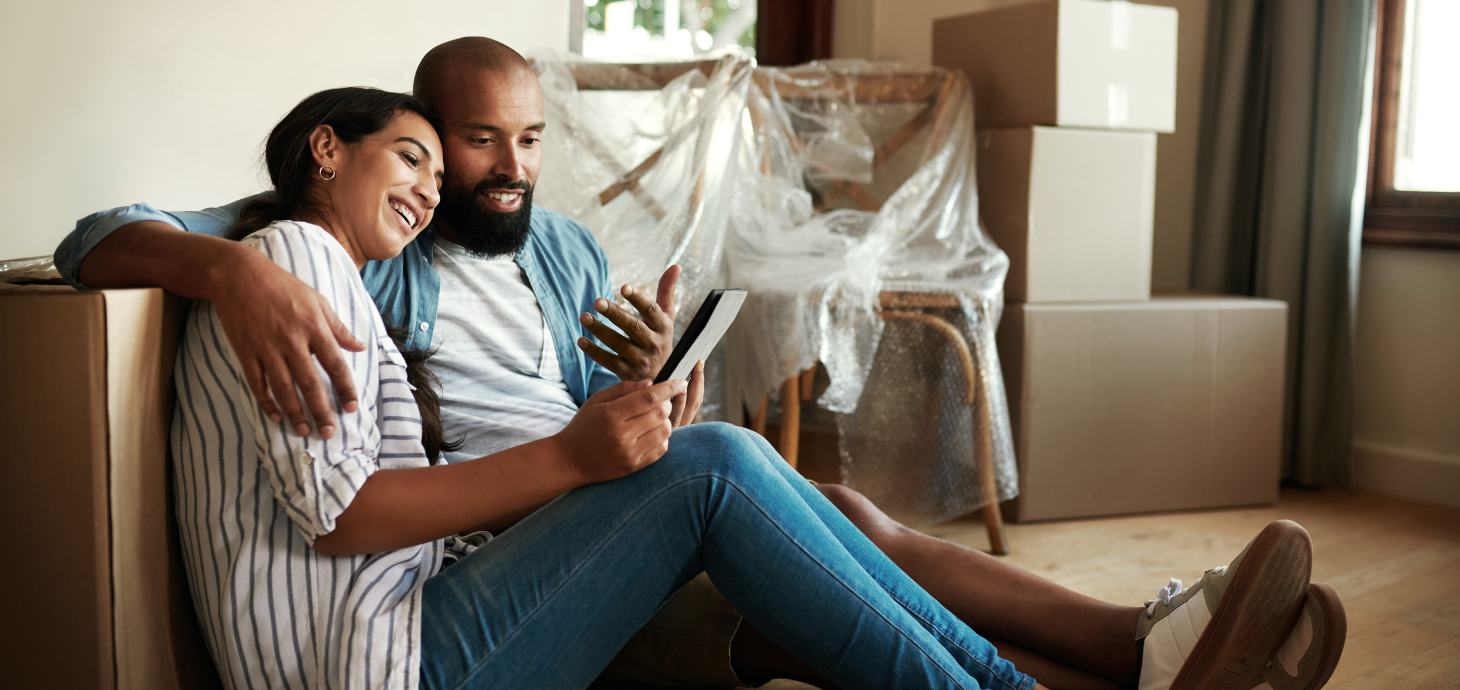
860 510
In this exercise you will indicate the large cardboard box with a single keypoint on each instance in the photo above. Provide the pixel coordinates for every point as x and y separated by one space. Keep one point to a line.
1073 208
1071 63
95 595
1170 404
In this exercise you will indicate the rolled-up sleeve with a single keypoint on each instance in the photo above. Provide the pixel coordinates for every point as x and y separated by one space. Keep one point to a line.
91 230
315 479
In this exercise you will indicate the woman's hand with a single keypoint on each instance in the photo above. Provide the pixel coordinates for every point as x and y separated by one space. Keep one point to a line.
618 431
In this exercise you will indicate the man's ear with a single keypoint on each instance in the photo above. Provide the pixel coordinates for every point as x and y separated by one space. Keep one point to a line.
326 146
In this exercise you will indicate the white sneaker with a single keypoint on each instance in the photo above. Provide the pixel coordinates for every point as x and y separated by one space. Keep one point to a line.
1307 659
1247 610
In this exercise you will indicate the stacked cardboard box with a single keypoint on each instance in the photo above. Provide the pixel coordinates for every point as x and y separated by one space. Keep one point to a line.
1120 402
97 596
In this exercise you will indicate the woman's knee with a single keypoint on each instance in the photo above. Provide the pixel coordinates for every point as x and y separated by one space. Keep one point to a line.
712 446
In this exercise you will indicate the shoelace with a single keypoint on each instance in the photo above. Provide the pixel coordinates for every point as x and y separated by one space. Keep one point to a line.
1172 590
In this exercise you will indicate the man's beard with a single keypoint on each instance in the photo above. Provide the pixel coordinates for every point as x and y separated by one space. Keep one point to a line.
481 230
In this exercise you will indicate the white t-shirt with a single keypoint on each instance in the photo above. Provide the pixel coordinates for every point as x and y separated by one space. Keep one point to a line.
501 385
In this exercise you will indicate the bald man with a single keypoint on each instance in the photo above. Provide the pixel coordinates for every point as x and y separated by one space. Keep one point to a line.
510 297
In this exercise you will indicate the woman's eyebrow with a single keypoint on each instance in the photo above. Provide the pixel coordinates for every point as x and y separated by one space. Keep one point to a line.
424 151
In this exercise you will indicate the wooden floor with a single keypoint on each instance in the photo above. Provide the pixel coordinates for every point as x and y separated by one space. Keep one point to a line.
1395 565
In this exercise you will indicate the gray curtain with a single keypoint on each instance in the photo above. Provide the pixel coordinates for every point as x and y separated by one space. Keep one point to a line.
1279 201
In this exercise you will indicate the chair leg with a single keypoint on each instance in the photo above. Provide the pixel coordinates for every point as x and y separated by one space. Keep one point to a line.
757 420
993 520
975 396
791 419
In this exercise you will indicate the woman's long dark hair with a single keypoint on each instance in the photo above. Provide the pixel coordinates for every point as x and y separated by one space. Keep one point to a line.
354 113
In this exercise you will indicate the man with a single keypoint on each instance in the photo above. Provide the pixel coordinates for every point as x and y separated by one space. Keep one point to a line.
495 286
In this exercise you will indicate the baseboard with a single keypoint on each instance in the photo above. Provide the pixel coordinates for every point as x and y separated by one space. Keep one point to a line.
1407 472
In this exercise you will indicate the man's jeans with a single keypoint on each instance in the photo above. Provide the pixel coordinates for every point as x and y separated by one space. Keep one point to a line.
549 602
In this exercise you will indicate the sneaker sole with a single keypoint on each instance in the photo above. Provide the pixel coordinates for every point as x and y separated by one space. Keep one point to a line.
1258 610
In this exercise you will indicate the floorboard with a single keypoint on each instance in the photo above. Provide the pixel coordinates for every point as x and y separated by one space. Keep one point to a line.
1394 563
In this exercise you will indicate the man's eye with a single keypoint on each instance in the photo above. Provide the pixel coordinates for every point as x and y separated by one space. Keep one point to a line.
482 141
530 142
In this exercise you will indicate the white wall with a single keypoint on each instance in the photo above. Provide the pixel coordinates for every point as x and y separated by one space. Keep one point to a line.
109 102
902 30
1407 375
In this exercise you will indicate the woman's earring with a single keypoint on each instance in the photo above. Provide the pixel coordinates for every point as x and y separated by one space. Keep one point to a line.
326 173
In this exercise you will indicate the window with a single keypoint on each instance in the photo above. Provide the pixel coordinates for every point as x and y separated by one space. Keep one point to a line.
1414 174
627 30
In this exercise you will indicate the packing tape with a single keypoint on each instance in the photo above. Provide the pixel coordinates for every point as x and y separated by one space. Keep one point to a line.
1121 18
1117 105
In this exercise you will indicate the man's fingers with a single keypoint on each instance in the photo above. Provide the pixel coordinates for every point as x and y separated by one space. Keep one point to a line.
316 395
343 337
609 360
649 312
282 386
253 372
612 339
665 298
631 325
339 372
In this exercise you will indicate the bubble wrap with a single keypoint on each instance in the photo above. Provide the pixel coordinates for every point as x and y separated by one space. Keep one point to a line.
824 190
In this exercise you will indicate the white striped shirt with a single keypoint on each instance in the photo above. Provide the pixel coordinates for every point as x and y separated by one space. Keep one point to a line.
501 382
253 496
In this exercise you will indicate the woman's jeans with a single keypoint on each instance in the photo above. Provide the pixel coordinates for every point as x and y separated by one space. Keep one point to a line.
552 600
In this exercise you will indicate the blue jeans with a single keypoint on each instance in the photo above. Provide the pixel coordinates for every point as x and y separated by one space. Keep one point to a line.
549 602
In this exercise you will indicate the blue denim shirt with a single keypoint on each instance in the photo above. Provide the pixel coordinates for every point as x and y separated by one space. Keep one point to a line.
565 268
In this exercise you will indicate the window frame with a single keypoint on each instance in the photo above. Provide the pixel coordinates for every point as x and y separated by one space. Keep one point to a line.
1396 218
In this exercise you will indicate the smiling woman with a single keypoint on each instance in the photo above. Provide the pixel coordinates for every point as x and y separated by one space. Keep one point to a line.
361 163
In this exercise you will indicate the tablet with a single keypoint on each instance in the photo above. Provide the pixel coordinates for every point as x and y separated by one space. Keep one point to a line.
708 326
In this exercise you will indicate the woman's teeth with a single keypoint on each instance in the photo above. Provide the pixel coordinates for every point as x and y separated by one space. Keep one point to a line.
405 212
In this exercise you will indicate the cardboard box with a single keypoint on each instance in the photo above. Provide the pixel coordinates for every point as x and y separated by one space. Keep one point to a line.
1073 208
1171 404
95 591
1071 63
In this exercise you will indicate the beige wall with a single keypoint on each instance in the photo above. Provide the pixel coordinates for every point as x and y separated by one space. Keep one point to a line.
1407 375
902 30
110 102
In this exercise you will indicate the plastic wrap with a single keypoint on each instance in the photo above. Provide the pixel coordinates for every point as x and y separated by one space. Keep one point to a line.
841 195
30 270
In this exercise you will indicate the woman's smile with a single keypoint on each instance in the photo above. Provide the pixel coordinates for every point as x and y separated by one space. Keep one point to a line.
407 213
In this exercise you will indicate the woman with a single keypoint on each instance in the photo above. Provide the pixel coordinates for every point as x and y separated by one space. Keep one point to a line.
314 562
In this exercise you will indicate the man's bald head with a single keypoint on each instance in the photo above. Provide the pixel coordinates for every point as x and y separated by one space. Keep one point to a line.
491 110
470 54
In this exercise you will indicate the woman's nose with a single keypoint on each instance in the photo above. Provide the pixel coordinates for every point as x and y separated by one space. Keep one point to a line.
429 192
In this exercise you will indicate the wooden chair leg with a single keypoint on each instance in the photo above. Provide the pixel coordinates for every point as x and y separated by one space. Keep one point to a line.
993 520
791 419
974 395
757 420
